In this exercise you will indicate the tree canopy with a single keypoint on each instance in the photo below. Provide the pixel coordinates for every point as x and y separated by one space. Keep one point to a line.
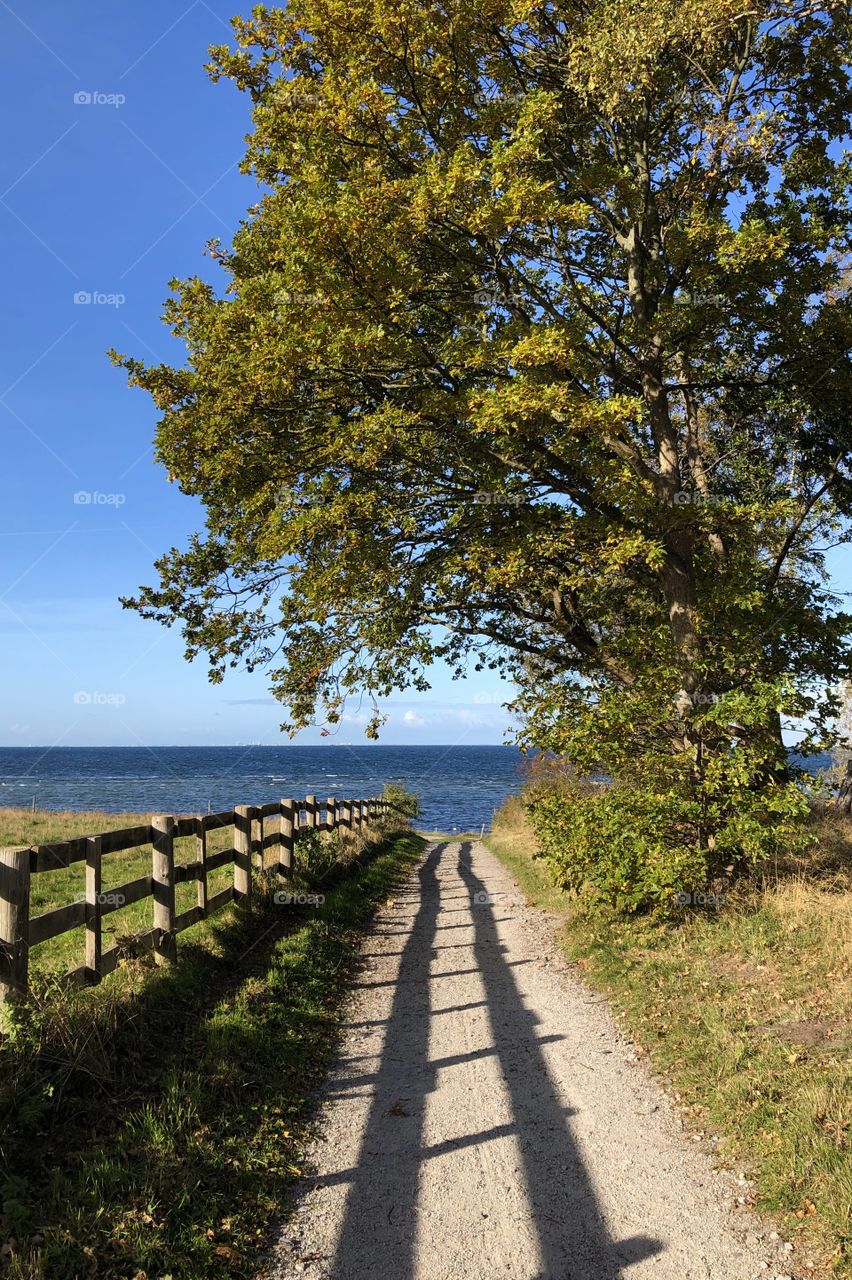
534 349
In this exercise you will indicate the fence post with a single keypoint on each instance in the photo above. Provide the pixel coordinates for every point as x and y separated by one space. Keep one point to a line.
257 838
269 854
331 807
201 851
311 815
163 877
285 855
94 938
14 923
242 852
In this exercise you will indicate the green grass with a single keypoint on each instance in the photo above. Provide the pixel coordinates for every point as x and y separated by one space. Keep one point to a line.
746 1013
49 889
153 1124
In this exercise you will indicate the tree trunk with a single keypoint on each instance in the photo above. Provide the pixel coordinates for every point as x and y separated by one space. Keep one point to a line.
780 771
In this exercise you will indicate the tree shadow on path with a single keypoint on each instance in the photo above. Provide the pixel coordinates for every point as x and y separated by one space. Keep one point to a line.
378 1234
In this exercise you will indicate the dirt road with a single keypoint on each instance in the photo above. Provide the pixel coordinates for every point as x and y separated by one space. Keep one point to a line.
485 1119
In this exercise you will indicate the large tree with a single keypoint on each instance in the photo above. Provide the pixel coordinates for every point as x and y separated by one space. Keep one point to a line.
534 348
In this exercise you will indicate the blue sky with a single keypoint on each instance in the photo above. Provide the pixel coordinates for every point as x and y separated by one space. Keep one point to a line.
120 163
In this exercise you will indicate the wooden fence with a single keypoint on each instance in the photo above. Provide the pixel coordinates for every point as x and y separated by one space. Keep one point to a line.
264 837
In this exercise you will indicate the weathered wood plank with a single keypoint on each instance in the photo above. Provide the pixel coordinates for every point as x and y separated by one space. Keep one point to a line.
217 901
50 924
128 838
220 859
184 919
55 857
212 821
186 871
124 895
82 976
63 853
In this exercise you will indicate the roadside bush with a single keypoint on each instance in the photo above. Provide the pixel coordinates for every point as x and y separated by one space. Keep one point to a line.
319 855
315 854
404 804
616 845
695 791
642 843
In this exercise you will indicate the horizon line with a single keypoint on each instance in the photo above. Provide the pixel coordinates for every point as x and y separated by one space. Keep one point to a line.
195 746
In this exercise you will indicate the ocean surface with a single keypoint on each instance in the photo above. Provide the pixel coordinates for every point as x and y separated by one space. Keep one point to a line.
459 787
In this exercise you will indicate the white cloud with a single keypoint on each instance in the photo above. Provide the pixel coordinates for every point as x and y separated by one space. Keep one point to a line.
411 717
470 718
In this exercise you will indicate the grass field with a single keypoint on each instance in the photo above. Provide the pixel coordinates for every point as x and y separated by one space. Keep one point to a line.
49 889
745 1011
151 1126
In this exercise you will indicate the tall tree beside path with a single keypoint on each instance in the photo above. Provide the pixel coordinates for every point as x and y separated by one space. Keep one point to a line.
842 753
534 352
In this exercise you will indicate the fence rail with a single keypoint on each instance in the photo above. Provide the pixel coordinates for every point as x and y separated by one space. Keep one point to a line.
264 840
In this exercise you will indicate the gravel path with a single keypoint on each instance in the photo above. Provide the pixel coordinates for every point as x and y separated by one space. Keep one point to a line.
486 1120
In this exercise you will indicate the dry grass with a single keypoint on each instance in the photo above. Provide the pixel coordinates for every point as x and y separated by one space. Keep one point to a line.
812 893
21 827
